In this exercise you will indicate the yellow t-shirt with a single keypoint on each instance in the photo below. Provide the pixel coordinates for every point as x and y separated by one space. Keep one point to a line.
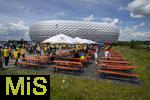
6 53
15 54
18 49
23 51
45 48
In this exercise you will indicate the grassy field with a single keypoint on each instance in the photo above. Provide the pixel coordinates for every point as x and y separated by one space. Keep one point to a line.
66 88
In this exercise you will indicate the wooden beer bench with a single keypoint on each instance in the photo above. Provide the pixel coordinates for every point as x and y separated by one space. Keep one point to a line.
69 64
65 69
106 72
114 62
25 64
85 62
118 66
115 68
34 60
115 58
44 57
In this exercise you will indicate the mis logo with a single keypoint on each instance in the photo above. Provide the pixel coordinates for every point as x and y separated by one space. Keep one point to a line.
25 86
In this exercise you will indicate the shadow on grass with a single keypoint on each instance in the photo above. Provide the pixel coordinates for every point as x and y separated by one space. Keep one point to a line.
130 80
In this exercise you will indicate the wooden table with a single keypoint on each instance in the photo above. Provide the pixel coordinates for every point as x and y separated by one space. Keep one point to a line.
68 63
34 60
113 61
119 66
115 58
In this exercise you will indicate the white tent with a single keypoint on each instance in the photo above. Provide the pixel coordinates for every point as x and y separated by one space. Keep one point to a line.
83 41
78 40
86 41
90 41
61 38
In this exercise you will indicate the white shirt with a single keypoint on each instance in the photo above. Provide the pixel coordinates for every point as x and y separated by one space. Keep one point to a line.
107 54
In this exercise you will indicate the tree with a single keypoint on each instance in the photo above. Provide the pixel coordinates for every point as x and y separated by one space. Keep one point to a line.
132 44
22 40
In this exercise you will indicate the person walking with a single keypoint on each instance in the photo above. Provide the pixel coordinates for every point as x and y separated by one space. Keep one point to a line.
10 52
38 49
19 51
23 52
15 54
1 62
45 50
107 54
6 55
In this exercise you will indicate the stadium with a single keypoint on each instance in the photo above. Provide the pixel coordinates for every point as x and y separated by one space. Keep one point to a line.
96 31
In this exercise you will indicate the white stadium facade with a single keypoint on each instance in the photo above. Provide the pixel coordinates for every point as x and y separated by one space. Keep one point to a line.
96 31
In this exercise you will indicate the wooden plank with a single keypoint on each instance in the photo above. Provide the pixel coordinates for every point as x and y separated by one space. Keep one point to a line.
115 58
64 67
71 62
30 64
34 60
115 68
113 61
121 66
117 73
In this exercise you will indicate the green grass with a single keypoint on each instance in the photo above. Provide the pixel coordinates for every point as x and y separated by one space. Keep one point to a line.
85 89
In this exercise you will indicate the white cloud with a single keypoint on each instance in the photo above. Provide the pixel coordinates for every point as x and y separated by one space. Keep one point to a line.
111 20
135 27
18 26
89 18
115 21
14 30
139 8
129 33
136 16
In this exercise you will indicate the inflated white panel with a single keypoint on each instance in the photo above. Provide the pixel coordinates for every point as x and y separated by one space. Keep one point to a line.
96 31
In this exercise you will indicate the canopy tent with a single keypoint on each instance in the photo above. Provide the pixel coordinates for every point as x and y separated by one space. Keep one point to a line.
78 40
90 41
83 41
61 38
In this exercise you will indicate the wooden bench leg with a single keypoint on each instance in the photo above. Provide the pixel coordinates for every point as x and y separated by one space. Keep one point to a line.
128 71
82 70
76 71
55 69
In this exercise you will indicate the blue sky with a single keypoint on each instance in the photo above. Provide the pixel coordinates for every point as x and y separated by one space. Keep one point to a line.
131 16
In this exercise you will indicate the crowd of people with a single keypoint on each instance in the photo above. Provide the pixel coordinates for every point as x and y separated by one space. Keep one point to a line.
77 51
9 53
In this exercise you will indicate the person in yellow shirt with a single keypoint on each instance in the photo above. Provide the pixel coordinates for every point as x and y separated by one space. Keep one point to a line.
15 54
19 52
23 52
6 55
1 62
45 50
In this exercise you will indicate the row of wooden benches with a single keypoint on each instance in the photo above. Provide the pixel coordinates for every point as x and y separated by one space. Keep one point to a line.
56 67
116 65
73 64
